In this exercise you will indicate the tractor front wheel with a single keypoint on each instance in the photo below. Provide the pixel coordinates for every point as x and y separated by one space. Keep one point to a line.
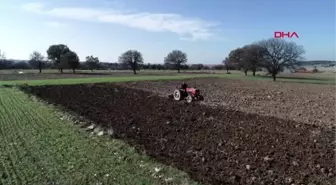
177 95
189 98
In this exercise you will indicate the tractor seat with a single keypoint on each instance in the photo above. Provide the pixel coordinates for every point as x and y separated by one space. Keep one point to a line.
184 86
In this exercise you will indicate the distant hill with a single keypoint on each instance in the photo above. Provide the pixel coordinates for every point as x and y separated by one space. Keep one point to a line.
304 63
317 62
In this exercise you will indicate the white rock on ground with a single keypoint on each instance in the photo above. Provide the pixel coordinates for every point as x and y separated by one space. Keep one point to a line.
97 130
100 133
91 127
157 169
110 132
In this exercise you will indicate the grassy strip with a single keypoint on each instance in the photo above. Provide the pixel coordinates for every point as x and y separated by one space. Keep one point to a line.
322 81
103 79
38 147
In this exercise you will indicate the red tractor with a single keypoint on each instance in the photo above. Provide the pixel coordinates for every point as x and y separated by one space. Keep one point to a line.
187 93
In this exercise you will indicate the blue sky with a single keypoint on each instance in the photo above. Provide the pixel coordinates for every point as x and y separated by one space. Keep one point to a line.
205 30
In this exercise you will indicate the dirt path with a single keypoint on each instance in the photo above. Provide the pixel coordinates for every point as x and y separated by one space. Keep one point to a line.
214 145
308 103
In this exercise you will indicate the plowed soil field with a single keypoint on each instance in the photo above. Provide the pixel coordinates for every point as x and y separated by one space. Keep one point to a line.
215 145
306 103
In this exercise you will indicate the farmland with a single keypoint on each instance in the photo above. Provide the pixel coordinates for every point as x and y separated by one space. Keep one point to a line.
39 145
245 132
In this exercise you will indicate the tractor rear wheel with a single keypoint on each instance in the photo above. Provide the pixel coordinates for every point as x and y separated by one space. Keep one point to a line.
177 95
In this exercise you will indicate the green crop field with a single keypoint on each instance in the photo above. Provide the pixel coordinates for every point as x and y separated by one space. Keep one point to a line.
38 146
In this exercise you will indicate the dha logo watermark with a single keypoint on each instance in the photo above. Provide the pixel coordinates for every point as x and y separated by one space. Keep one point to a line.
281 34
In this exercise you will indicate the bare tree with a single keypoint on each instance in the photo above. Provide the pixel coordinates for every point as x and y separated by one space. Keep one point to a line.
280 54
36 60
227 64
92 62
3 63
237 56
132 58
253 56
176 58
2 55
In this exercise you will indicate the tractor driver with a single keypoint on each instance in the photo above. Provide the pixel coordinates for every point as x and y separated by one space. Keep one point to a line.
184 86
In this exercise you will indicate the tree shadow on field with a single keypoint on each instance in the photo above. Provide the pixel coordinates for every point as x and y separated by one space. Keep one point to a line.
6 86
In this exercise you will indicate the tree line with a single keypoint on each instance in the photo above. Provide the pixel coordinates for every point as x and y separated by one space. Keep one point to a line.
273 55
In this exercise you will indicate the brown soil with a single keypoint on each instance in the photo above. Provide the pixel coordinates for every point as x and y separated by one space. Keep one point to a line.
214 145
308 103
